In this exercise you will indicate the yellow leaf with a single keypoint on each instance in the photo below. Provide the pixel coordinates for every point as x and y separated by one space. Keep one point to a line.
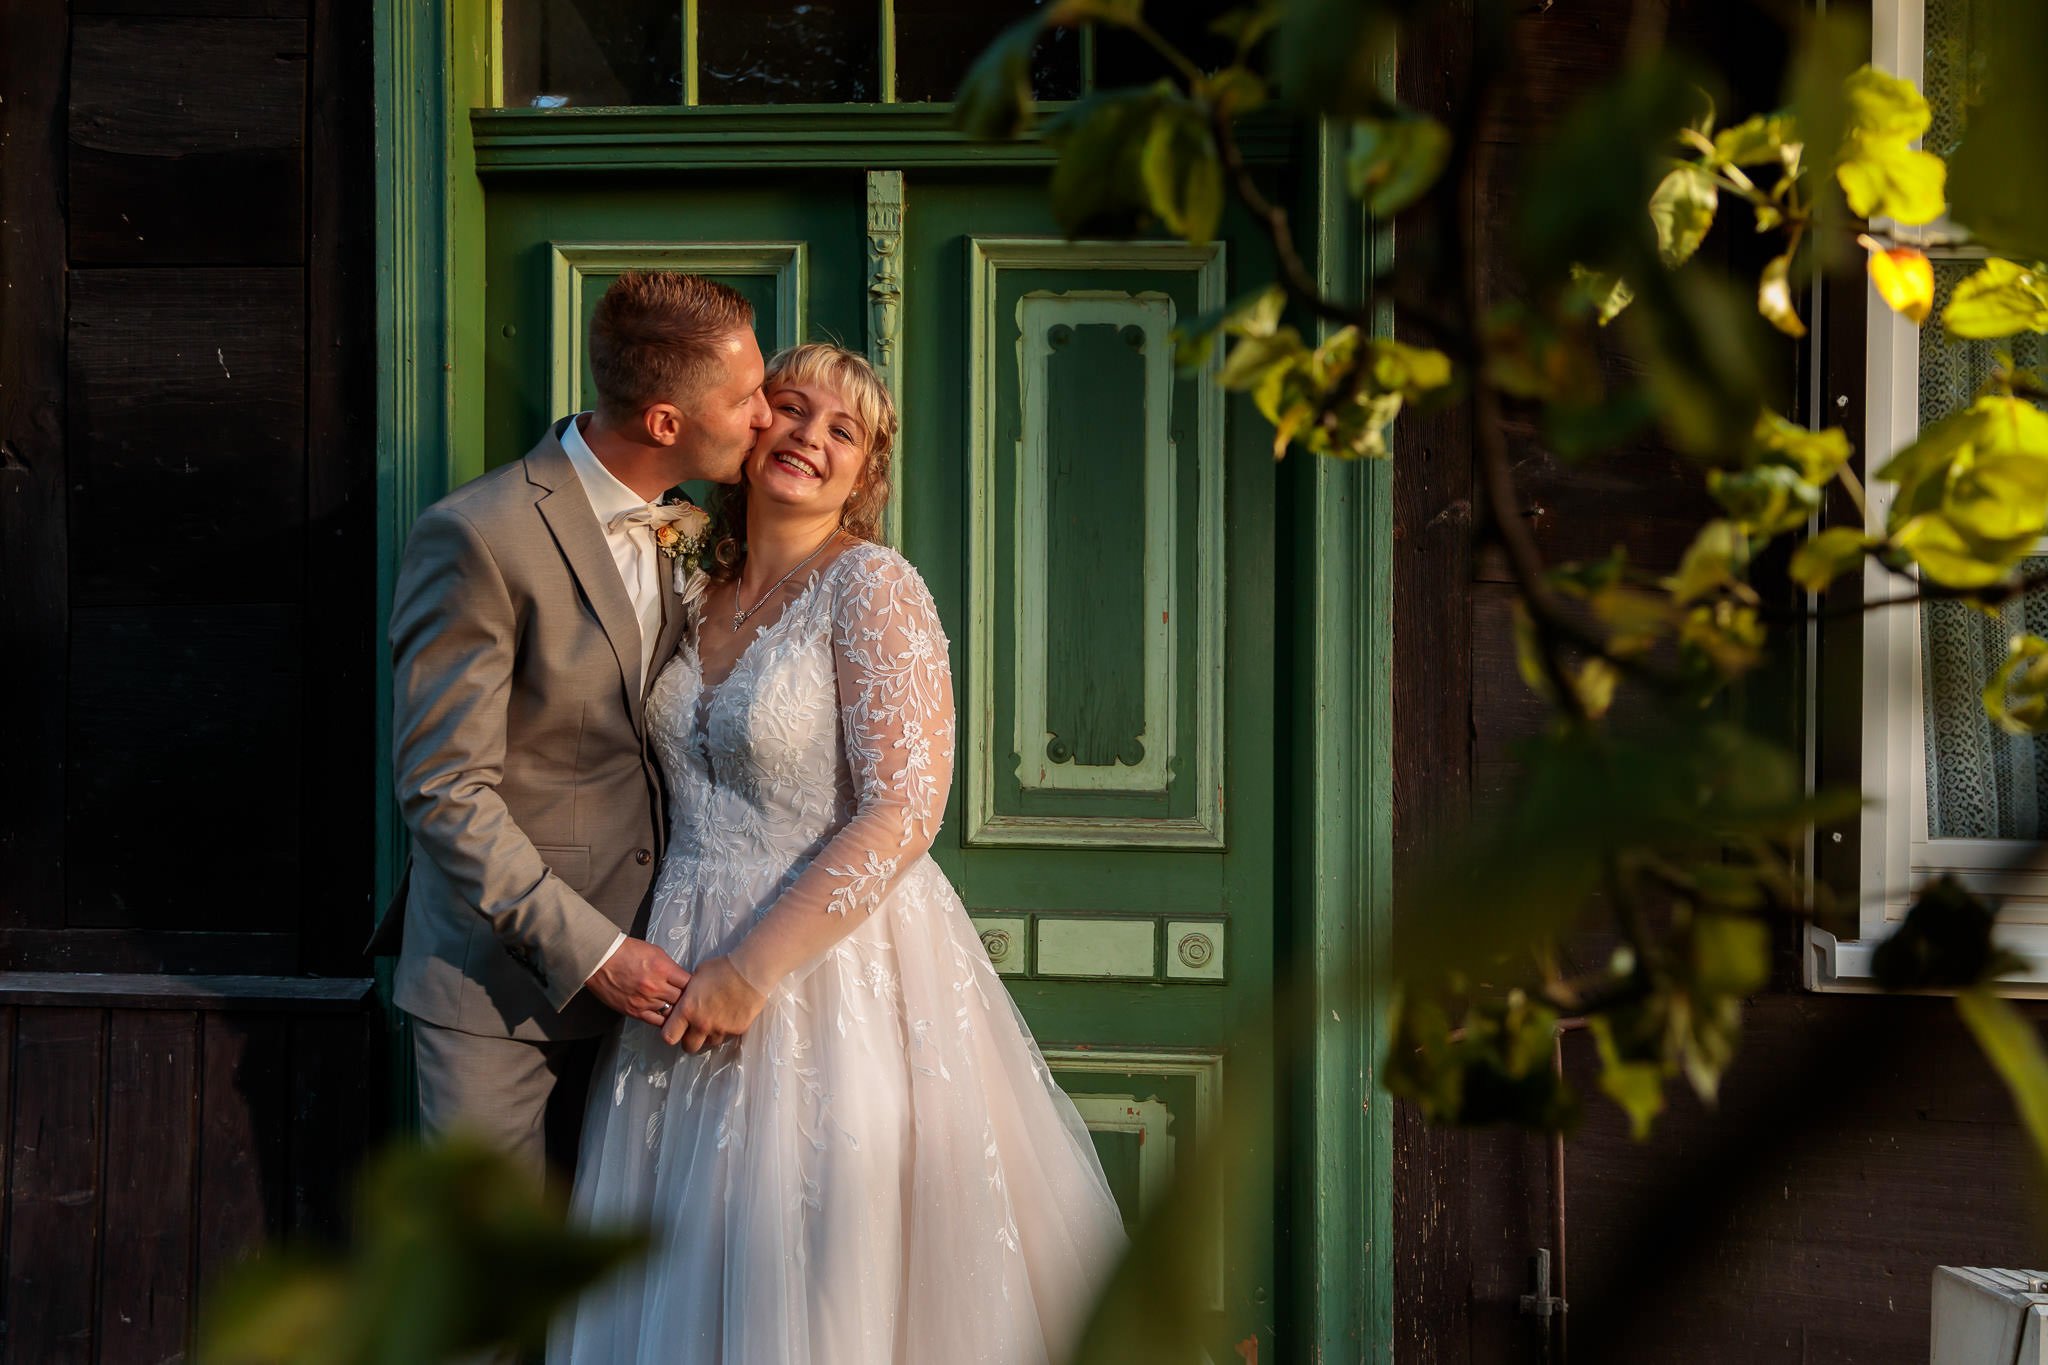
1905 281
1774 297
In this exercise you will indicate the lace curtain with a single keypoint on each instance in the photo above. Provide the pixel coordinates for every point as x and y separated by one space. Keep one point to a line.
1981 782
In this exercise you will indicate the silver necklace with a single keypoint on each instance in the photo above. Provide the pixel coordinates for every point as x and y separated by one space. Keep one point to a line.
740 614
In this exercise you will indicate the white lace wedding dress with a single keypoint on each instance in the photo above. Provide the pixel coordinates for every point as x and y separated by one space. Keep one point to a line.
881 1171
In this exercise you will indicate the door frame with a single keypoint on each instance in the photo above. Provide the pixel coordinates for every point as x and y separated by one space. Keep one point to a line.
433 65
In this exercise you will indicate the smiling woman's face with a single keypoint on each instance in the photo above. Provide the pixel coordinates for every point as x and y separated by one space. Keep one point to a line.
812 452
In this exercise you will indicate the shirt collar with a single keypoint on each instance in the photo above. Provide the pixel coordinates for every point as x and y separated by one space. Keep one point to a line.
608 497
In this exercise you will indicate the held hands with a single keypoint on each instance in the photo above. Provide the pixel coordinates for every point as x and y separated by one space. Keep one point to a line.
718 1004
640 981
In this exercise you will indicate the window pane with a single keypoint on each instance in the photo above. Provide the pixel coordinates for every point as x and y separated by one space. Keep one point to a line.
1981 782
593 52
1953 68
937 40
807 52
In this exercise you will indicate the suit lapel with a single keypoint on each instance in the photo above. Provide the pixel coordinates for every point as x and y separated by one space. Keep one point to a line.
672 620
566 508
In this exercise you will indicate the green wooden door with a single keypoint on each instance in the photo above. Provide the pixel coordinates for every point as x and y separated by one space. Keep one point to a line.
1098 530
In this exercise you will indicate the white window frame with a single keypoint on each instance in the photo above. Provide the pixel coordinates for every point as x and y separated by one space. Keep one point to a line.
1897 856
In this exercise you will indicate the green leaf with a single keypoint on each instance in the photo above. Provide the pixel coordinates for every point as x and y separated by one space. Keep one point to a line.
994 100
1715 560
2016 698
1099 185
1256 357
1817 455
1247 24
457 1252
1767 500
1730 955
2001 299
1328 52
1721 640
1182 175
1682 210
1879 172
1756 141
1073 13
1881 105
1605 294
2012 1044
1774 297
1972 491
1395 160
1829 555
1637 1086
1884 178
1254 314
1234 90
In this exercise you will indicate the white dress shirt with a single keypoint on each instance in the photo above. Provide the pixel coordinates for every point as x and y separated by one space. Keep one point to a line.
633 552
632 547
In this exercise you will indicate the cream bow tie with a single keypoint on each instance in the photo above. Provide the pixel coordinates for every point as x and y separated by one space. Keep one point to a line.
660 515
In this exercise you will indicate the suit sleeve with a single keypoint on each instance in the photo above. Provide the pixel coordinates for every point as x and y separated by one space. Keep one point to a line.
896 711
453 643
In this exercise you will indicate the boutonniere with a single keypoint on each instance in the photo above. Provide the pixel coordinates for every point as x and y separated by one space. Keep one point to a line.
684 538
684 531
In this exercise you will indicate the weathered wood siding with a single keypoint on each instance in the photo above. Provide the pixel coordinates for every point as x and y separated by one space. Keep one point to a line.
1861 1141
154 1132
186 576
186 601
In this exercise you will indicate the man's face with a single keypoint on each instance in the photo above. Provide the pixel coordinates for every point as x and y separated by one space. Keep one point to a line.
719 429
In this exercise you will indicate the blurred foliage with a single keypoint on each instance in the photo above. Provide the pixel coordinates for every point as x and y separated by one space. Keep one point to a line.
457 1253
1645 816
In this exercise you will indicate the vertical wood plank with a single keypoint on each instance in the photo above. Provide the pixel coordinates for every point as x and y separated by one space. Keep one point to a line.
34 602
1432 710
335 1113
152 1105
52 1259
242 1130
9 1017
340 544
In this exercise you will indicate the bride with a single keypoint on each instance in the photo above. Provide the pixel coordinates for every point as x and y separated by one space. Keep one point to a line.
845 1137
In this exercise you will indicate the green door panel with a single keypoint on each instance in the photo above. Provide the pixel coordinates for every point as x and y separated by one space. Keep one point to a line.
796 253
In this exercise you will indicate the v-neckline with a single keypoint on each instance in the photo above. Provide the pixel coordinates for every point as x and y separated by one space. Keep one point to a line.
709 689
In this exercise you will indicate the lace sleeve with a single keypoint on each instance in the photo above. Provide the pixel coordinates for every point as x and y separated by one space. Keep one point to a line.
896 709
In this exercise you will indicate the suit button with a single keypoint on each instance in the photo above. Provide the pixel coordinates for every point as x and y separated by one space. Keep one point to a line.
642 856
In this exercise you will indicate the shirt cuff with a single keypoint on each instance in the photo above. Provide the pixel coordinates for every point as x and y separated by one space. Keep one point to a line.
609 953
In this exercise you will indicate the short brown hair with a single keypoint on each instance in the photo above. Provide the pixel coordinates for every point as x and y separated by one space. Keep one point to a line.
655 335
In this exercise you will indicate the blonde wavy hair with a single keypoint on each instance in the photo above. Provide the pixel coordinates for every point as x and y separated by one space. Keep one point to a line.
849 374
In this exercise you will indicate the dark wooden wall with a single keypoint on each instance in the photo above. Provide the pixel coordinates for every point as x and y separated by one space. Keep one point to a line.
1861 1141
187 607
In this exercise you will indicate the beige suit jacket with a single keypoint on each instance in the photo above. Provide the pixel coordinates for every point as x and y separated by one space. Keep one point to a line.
519 745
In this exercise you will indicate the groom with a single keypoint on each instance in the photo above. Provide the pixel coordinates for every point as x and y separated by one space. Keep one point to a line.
532 612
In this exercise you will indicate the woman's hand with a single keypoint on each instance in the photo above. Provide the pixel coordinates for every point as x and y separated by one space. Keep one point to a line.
717 1004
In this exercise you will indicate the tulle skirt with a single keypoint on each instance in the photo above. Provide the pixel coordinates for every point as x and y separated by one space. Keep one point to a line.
880 1172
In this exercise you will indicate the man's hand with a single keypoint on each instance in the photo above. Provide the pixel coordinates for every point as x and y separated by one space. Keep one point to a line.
639 981
719 1004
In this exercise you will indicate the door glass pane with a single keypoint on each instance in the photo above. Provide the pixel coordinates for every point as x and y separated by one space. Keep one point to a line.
593 52
937 40
1981 782
789 51
1122 58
